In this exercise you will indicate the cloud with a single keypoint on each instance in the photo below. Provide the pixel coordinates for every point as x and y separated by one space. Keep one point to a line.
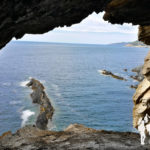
95 23
92 30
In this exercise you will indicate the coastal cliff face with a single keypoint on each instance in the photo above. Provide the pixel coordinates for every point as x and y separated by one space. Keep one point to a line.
141 97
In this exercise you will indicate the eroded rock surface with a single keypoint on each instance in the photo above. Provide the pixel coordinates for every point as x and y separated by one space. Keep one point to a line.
75 137
39 97
141 97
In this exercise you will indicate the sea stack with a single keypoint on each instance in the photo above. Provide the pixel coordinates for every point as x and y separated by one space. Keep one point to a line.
40 97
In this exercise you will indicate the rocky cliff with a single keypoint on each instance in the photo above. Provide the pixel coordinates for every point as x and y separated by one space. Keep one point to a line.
75 137
141 97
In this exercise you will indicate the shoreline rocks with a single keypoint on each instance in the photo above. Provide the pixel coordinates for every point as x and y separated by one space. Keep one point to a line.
108 73
139 76
133 86
40 97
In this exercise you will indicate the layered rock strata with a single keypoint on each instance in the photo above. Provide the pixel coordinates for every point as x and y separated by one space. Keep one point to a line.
39 97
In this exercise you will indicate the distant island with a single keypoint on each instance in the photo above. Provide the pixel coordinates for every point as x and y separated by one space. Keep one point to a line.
137 44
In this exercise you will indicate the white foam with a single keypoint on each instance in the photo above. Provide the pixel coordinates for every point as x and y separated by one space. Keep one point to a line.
24 83
51 126
15 102
100 71
6 84
25 116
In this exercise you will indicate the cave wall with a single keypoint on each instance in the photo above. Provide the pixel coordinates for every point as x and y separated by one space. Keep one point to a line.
19 17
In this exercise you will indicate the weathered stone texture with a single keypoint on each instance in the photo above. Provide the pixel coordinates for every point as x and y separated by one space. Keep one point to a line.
75 137
40 97
141 97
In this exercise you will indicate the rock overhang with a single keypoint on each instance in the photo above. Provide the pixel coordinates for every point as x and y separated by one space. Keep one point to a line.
20 17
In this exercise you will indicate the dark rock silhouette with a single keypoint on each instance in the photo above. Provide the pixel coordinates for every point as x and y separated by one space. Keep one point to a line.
19 17
134 86
39 96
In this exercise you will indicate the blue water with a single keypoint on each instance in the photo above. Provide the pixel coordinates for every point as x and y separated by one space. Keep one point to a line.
79 93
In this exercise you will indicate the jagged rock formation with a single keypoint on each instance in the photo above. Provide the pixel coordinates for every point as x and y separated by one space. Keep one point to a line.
141 97
75 137
39 97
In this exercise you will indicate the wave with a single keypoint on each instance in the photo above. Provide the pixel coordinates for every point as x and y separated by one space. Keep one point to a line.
6 84
25 116
51 126
24 83
100 71
15 102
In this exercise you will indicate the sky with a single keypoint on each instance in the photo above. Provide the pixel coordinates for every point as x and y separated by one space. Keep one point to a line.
91 30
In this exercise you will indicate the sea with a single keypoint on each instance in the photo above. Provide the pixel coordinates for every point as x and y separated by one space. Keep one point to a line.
73 82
